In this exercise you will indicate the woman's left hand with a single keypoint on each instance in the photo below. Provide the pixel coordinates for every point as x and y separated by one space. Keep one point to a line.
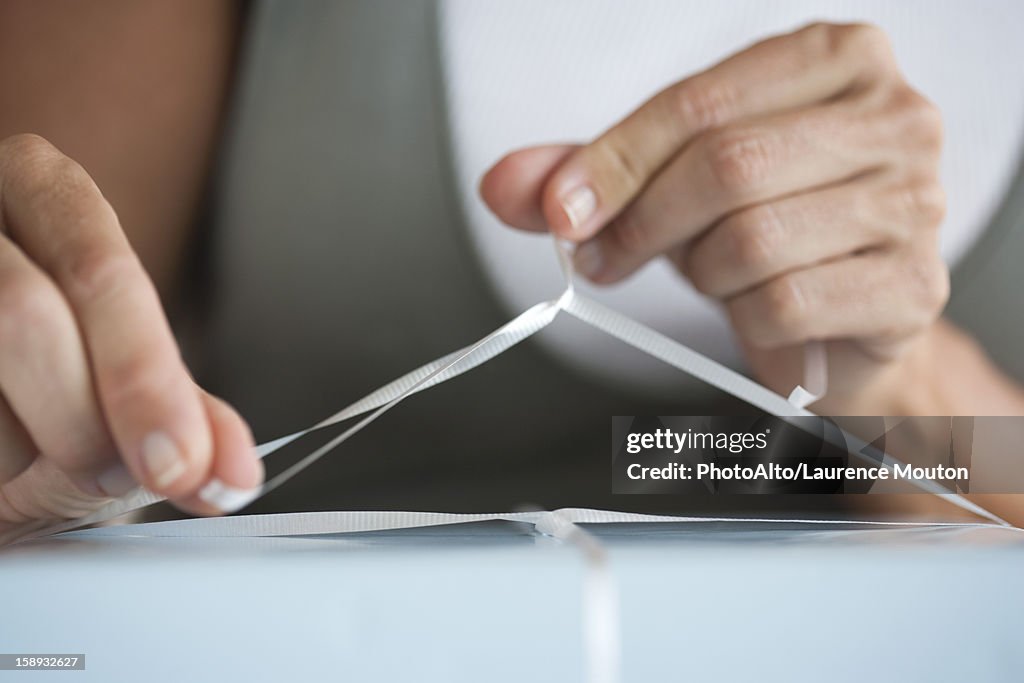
797 182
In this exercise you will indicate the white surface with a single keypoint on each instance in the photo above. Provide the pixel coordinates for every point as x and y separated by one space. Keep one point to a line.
492 603
534 71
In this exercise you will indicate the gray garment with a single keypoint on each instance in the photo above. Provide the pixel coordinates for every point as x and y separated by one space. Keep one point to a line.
987 289
342 261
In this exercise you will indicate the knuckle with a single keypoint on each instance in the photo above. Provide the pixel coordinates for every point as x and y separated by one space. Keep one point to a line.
681 257
80 449
929 282
700 275
92 273
70 183
630 235
784 305
623 168
28 148
752 236
815 42
922 119
701 104
738 159
40 174
31 163
823 39
50 183
740 324
861 41
135 378
925 202
26 305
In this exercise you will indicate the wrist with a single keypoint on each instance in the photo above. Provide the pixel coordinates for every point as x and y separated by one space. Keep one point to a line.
904 385
948 373
916 387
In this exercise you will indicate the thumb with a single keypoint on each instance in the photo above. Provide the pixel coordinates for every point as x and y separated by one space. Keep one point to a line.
236 472
512 187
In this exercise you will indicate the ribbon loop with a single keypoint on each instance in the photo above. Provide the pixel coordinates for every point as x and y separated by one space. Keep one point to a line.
528 323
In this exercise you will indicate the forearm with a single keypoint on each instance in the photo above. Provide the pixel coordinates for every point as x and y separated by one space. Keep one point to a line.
952 375
949 374
945 372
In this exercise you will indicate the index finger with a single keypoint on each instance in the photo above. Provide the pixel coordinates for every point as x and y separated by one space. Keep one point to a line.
818 62
58 216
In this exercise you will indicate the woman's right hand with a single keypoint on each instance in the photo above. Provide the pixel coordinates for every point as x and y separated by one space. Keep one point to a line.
94 396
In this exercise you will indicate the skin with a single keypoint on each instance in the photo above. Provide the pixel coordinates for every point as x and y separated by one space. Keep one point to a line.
127 96
796 182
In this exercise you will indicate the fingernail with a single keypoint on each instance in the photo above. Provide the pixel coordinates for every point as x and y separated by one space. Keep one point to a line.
116 481
588 259
162 459
578 205
227 498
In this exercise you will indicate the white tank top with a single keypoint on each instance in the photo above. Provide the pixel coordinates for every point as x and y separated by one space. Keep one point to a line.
534 71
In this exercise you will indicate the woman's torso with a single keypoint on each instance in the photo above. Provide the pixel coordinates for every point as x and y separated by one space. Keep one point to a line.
349 246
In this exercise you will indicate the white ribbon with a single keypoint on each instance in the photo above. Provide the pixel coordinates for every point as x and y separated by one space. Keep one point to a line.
815 376
528 323
599 593
547 522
